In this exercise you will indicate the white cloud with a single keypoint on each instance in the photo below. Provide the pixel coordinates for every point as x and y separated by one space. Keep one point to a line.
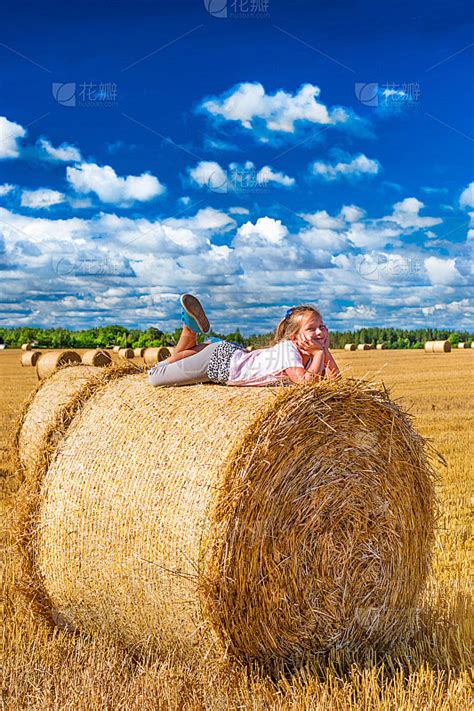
10 133
358 166
265 231
467 196
442 271
209 173
268 175
65 153
111 188
248 102
406 214
239 211
357 312
6 188
464 306
352 213
237 177
42 198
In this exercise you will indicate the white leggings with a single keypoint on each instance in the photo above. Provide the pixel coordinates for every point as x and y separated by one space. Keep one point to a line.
186 371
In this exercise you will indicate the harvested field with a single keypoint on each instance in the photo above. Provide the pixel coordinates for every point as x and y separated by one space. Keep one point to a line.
47 668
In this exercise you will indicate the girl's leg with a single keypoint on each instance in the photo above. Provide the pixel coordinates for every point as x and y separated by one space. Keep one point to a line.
186 346
187 368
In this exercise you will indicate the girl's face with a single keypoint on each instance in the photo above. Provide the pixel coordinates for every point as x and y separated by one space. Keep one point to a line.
312 326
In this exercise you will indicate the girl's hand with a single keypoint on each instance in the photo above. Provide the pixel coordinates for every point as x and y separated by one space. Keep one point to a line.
308 345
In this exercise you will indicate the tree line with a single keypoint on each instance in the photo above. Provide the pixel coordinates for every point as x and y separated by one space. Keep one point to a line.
108 336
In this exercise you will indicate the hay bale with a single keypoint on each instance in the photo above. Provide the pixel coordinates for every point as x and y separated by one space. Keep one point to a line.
350 347
138 352
52 360
97 357
45 409
461 345
26 347
116 349
364 347
152 356
269 522
30 357
472 344
380 346
126 353
41 410
437 346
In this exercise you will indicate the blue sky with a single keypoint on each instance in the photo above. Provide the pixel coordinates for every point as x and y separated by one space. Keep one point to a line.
258 154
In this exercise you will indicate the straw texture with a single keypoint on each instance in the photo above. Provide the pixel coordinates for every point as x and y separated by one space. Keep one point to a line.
30 357
52 360
43 407
152 356
350 347
126 353
437 346
268 522
364 347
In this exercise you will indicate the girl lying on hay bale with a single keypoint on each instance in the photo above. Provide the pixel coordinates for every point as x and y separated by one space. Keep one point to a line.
299 353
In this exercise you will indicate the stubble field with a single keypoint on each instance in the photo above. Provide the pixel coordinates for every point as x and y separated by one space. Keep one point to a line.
45 668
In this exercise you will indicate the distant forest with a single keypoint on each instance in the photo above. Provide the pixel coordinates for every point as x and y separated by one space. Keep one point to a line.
108 336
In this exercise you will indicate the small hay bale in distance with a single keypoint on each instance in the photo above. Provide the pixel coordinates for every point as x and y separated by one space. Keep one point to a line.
269 523
350 347
364 347
52 360
126 353
437 347
461 345
99 358
116 349
380 346
30 357
26 347
152 356
138 352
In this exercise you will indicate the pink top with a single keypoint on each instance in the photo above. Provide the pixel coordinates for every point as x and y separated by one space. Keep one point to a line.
264 366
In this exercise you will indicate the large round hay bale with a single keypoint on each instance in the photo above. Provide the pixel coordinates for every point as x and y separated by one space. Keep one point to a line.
268 522
46 407
350 347
126 353
152 356
380 346
116 349
437 346
138 352
52 360
364 347
30 357
43 407
96 357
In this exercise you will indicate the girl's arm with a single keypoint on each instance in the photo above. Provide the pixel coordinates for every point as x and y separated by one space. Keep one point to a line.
312 375
332 370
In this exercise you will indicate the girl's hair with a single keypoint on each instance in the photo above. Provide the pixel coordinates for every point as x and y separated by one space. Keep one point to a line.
291 324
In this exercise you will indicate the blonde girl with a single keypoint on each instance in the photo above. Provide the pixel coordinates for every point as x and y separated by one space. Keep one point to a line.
299 353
